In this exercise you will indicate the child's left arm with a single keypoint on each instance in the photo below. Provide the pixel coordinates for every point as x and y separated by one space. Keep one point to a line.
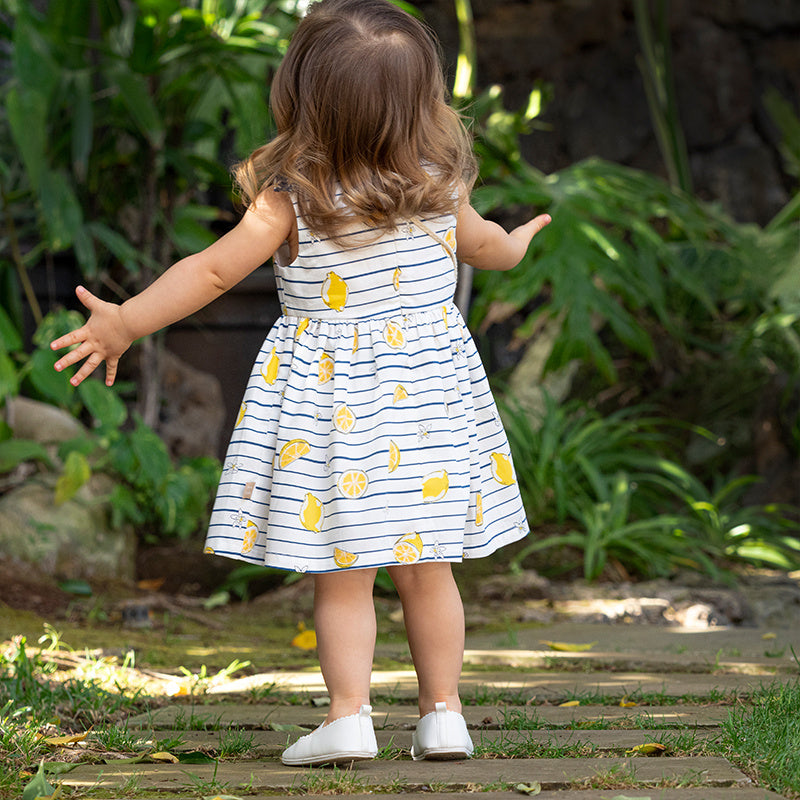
486 245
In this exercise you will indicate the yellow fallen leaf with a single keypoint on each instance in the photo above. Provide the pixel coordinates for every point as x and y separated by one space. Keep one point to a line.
569 704
305 640
568 647
166 757
647 749
60 741
770 636
625 703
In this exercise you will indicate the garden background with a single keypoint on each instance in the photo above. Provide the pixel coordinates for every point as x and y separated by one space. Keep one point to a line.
646 353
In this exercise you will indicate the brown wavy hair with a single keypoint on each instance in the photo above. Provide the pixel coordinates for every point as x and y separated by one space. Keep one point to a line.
361 108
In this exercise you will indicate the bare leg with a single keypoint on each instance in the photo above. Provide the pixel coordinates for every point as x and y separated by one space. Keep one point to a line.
344 618
434 619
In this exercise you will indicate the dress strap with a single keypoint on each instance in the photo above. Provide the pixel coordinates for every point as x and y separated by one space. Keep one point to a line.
435 236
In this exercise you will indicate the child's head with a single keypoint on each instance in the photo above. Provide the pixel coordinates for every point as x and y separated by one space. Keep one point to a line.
360 104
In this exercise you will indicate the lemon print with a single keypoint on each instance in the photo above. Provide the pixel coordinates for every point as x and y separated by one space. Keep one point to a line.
301 326
311 513
407 549
400 393
479 509
353 483
325 368
444 315
343 559
269 372
355 340
435 486
394 456
396 279
450 238
242 411
292 450
343 418
502 471
334 292
250 533
393 334
209 551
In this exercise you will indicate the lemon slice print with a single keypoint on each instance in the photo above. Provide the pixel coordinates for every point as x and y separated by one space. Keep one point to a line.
343 418
334 292
396 279
479 510
407 549
209 551
242 412
292 450
444 315
269 372
325 368
435 486
311 513
400 393
394 456
394 336
250 534
353 483
502 471
355 339
301 326
343 559
450 238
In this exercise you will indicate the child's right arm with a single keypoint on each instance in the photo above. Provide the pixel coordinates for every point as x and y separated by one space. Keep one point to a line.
486 245
184 288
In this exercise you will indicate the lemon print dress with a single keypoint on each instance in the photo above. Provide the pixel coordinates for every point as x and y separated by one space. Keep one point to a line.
367 435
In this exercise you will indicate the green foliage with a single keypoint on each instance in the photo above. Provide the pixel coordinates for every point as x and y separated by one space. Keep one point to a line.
762 737
608 484
158 497
113 123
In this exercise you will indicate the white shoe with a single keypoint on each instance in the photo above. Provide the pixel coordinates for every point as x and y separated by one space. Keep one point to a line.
441 735
350 738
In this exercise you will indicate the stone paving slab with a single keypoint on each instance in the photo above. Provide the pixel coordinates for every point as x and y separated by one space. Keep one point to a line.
397 775
692 644
261 716
272 743
402 684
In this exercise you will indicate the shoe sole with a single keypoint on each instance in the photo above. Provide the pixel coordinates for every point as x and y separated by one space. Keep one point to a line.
441 754
333 758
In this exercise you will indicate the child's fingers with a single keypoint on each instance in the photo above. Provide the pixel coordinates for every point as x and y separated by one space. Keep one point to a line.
111 371
537 223
87 368
73 357
68 339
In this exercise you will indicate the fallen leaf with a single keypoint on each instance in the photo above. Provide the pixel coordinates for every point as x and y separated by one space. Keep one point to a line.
222 797
530 789
770 636
305 640
166 757
569 704
647 749
195 757
151 584
568 647
60 741
625 703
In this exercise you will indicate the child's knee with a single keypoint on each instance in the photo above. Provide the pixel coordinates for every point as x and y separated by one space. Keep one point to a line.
416 577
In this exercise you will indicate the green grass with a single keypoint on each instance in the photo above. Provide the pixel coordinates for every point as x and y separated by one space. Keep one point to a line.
763 738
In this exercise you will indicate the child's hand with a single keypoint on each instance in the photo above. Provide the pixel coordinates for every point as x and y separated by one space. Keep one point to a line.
104 337
524 233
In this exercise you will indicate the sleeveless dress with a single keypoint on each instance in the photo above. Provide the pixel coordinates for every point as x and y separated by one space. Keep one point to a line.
367 435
